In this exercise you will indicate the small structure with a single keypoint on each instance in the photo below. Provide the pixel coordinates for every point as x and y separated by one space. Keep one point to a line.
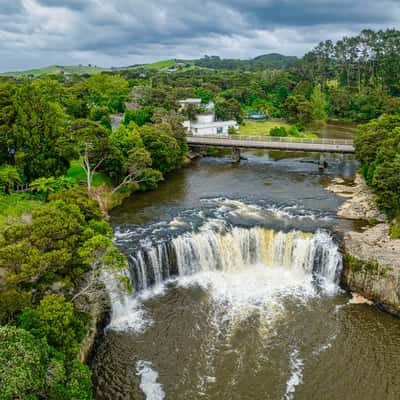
184 103
256 115
206 124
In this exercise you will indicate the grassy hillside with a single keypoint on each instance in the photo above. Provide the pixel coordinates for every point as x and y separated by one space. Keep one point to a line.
278 61
56 69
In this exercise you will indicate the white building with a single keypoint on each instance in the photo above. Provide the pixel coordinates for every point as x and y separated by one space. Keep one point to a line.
205 124
184 103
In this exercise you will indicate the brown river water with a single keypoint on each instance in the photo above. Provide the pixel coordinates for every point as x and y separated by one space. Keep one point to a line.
237 276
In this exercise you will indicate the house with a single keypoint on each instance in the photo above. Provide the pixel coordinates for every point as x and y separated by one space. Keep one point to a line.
206 124
184 103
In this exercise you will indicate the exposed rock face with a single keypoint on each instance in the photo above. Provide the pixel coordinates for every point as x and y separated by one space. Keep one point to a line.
372 266
99 309
372 258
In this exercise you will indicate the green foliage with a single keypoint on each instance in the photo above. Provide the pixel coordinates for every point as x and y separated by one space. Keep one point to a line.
162 146
46 186
31 370
9 176
79 385
139 117
395 229
37 134
378 148
88 207
319 105
98 112
204 94
108 90
228 110
56 319
23 365
278 132
298 109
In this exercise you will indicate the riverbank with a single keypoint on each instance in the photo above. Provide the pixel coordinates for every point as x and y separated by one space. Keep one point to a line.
371 257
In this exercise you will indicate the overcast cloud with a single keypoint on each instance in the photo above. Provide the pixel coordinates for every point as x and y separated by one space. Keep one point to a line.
36 33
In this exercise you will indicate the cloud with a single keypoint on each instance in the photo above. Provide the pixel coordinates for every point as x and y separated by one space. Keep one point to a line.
122 32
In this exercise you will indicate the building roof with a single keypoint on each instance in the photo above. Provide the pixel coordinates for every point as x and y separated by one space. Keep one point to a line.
196 101
216 124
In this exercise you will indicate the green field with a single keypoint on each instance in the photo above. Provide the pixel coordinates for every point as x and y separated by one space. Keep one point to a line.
15 205
76 171
259 128
262 128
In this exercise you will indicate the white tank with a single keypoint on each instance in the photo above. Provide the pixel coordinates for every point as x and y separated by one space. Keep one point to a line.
205 118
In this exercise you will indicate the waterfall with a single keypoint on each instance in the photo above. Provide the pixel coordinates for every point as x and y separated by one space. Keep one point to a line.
295 258
235 250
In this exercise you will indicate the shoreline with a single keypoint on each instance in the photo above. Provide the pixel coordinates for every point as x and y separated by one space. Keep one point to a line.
371 258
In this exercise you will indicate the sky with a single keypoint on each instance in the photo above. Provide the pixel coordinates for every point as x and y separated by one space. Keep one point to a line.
36 33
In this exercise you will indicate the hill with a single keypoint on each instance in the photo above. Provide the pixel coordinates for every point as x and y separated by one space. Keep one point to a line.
56 69
273 60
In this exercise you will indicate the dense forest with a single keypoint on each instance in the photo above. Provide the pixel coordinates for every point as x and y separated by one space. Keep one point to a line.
58 144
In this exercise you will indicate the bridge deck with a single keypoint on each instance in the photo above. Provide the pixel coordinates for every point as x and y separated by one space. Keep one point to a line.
275 143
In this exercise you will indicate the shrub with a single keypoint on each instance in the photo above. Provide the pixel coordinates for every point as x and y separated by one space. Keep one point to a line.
23 364
278 131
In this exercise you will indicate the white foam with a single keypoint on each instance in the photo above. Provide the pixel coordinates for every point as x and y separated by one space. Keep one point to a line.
148 381
296 377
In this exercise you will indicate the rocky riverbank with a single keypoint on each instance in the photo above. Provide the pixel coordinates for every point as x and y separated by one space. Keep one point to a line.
372 258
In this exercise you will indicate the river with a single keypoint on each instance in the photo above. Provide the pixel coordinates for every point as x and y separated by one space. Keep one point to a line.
236 269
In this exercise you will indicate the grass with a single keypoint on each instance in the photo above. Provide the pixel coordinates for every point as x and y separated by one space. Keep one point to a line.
55 69
77 172
15 205
263 128
259 128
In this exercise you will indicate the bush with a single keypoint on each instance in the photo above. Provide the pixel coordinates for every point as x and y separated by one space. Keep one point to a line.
56 319
278 131
23 364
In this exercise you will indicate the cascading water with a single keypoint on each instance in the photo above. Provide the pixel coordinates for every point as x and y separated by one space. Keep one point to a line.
235 250
216 248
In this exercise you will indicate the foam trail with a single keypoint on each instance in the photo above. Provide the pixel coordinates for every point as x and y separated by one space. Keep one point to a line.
296 377
148 381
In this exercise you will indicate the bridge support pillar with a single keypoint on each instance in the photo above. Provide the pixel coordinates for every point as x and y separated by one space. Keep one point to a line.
322 163
235 154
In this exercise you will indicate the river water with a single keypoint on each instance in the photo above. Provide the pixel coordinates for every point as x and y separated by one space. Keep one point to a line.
236 269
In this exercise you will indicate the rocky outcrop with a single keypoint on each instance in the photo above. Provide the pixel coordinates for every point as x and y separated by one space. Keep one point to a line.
372 258
372 266
99 309
360 201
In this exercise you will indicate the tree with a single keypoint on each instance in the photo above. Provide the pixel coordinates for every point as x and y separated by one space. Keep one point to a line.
23 364
56 319
319 105
298 109
9 176
108 90
7 118
46 186
93 146
228 110
140 116
163 148
139 159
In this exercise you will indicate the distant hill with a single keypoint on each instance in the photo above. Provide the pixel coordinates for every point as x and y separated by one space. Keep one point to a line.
273 60
57 69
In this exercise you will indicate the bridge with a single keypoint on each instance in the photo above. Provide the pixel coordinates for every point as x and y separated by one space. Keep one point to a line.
306 145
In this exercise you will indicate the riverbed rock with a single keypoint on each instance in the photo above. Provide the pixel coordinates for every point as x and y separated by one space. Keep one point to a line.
360 203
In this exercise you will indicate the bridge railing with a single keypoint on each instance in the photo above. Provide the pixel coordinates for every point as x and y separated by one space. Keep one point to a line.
287 139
